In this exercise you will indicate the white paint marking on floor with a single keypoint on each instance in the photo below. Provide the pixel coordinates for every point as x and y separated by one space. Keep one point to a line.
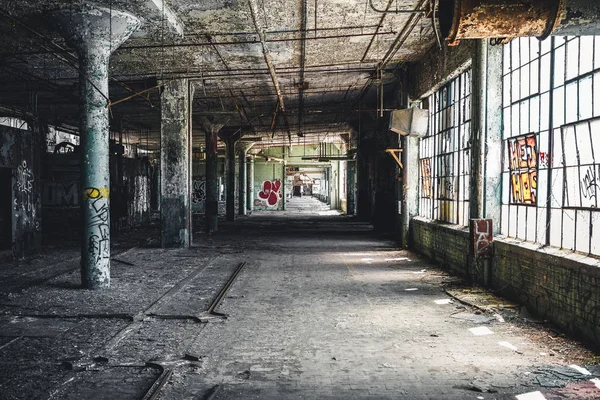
581 370
596 382
508 345
531 396
420 272
412 289
443 301
398 259
481 331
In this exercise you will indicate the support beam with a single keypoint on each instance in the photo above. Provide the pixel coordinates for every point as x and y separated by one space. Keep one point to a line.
94 32
478 116
167 14
410 186
351 187
243 148
212 183
250 190
175 188
230 176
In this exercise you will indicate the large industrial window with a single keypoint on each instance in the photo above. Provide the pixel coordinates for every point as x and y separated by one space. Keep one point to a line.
551 176
445 154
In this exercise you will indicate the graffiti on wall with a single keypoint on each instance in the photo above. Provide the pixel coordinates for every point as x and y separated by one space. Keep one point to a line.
523 165
198 191
482 237
24 178
426 178
98 240
590 185
270 193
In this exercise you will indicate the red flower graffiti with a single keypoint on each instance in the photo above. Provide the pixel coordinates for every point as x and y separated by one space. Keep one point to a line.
270 192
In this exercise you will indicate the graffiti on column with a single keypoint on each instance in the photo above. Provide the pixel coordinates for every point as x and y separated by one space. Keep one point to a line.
270 193
24 178
199 191
426 178
483 236
99 239
523 165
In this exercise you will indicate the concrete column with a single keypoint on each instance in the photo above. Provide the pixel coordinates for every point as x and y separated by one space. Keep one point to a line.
94 32
410 188
351 187
242 180
478 117
230 176
175 204
212 182
492 185
250 190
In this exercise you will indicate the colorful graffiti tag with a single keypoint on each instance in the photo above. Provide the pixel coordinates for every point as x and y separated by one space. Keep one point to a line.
426 178
270 192
523 164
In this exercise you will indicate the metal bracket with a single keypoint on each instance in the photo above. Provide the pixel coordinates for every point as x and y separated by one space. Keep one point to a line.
392 152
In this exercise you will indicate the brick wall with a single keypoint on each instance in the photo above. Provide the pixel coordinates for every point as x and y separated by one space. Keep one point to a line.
443 243
557 285
560 286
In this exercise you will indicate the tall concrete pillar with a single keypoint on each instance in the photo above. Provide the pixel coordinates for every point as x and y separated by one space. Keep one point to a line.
351 187
94 32
243 177
212 183
175 185
410 188
478 116
250 190
492 185
230 176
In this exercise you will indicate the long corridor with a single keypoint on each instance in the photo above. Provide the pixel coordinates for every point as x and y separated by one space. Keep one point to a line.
321 309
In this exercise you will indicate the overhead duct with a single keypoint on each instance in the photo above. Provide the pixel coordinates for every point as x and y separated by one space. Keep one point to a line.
410 122
481 19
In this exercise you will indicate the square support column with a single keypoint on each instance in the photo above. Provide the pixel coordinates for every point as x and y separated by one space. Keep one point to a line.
175 185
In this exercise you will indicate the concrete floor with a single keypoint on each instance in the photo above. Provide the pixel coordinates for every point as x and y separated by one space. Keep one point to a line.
323 309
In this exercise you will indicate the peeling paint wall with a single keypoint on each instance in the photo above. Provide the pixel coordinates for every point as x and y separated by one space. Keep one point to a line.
19 153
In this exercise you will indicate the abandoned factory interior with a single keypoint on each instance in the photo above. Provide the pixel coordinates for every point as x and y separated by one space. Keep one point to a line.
300 199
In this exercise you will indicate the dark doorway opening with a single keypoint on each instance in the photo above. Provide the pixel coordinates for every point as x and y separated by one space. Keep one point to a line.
5 208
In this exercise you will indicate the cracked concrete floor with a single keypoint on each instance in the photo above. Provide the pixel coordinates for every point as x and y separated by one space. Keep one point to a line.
323 309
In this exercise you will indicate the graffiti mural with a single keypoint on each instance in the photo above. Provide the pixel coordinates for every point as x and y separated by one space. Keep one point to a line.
270 193
199 191
98 223
24 178
426 178
523 165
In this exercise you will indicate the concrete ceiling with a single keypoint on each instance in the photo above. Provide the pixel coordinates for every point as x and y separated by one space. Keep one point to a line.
334 50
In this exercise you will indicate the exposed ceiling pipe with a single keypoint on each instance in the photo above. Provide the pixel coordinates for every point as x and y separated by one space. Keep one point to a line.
266 55
402 36
483 19
364 57
387 11
303 23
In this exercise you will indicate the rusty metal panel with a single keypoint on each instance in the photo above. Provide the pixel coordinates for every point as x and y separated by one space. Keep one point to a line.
482 236
478 19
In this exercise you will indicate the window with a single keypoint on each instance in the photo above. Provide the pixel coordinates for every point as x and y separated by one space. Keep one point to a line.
444 155
551 172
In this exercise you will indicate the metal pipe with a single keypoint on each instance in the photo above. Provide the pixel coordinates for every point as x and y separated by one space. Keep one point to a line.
267 56
94 32
402 36
374 34
386 11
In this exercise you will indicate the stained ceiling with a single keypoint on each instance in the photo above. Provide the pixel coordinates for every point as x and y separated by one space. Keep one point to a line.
324 56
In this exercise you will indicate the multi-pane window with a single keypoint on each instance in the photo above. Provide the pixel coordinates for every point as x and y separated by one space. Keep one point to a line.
551 173
444 154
